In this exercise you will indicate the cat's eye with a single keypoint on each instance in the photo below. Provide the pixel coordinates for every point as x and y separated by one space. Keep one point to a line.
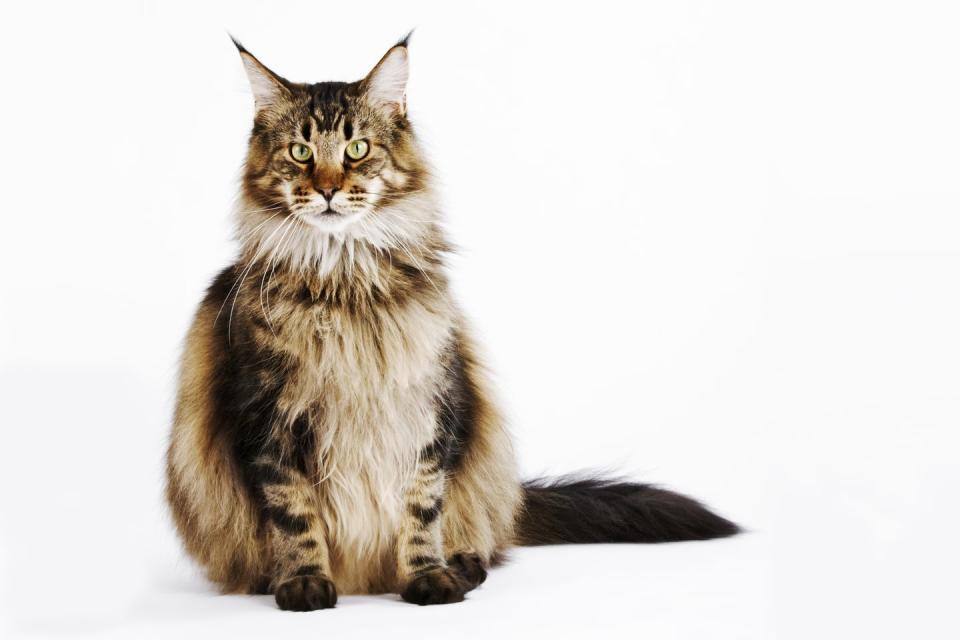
300 152
357 149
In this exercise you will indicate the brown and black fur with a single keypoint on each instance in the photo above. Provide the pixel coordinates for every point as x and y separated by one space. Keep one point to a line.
334 429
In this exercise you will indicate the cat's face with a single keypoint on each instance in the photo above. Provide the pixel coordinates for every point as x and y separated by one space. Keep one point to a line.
330 159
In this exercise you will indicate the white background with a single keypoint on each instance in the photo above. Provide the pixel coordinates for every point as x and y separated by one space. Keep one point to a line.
710 244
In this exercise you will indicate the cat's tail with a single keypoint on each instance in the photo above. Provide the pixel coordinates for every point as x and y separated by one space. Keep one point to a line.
583 510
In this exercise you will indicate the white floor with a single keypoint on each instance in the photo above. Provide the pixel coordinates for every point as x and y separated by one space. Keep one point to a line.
728 589
686 590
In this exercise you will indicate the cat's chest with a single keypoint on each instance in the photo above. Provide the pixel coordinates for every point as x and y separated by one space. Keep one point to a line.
339 359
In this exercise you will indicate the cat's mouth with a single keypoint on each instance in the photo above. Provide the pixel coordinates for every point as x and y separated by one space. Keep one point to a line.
316 210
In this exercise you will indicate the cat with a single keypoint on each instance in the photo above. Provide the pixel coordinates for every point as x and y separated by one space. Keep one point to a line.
334 429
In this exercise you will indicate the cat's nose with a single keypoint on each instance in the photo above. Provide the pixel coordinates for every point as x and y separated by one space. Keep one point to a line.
328 193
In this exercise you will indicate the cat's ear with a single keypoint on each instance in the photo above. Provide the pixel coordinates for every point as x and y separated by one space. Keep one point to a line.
268 88
386 86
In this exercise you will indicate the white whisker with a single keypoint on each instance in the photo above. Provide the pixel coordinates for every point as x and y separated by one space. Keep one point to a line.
220 310
273 254
243 277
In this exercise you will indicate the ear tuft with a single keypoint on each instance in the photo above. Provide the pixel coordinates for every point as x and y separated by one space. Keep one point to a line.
237 44
386 86
267 87
405 40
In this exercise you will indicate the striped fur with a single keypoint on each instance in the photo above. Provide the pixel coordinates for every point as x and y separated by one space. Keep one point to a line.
334 429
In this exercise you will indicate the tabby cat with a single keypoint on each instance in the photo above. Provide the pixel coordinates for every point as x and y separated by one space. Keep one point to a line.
334 429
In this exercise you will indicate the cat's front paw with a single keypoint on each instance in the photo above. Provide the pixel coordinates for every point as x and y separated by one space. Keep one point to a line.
470 566
306 593
442 585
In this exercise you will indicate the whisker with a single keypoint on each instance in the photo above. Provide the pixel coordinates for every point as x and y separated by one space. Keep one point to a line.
243 276
273 254
273 269
408 251
247 234
227 297
385 194
272 206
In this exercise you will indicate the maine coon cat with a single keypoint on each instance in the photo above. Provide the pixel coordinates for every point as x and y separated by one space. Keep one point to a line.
334 430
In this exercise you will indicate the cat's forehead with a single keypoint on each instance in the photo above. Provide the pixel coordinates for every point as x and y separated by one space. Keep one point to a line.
328 108
329 104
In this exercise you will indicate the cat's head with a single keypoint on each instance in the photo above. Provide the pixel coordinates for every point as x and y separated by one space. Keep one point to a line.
332 163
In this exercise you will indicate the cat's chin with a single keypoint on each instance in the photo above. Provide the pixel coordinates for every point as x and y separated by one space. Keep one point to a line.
330 221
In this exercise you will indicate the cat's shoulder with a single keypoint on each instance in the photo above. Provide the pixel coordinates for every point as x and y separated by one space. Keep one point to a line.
219 288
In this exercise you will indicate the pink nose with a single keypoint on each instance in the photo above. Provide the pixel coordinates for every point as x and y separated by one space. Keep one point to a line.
328 193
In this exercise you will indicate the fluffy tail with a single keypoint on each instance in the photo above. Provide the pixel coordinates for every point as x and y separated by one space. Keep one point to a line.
584 510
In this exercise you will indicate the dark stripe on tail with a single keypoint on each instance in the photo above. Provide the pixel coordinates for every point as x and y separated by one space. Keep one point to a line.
585 510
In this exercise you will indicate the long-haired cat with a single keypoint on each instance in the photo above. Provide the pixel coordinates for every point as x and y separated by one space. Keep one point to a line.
334 429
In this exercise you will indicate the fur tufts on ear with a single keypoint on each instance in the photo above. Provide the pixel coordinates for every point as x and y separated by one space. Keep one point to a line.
386 86
405 40
267 87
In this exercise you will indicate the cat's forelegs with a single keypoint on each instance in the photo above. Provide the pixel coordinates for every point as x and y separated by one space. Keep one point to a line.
300 580
427 577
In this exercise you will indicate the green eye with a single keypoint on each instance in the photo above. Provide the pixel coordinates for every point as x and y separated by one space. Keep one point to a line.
357 149
300 152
